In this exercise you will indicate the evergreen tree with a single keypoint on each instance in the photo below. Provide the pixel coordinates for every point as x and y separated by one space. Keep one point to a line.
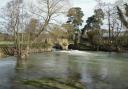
75 18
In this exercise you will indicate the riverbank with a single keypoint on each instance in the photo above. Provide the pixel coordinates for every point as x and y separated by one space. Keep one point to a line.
40 50
2 54
106 48
80 47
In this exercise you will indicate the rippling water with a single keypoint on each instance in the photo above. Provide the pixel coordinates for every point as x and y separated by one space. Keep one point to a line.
97 70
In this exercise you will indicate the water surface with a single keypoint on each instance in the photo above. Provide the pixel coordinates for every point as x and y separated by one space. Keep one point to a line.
97 70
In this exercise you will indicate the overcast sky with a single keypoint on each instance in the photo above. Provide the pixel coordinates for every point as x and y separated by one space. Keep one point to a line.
87 6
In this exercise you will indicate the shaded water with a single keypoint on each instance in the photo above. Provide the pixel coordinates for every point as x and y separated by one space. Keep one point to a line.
97 70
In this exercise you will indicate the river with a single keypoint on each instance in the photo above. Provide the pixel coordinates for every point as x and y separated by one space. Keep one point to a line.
97 70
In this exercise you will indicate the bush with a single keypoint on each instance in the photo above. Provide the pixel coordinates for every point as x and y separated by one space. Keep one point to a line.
40 45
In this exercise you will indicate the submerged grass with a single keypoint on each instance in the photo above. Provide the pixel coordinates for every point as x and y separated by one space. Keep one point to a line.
49 83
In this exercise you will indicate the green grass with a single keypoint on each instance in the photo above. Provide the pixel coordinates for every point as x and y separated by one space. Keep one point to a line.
53 84
6 42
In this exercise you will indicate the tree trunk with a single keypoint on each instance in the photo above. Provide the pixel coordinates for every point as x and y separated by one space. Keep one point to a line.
122 17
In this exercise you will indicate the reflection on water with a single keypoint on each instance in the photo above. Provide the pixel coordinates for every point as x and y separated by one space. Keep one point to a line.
97 70
7 70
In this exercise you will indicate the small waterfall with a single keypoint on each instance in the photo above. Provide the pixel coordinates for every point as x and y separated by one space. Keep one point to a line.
77 52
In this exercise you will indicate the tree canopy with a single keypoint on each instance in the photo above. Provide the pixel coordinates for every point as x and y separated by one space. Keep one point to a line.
75 15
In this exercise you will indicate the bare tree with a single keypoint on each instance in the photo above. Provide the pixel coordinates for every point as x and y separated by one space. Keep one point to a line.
47 11
111 17
15 18
14 21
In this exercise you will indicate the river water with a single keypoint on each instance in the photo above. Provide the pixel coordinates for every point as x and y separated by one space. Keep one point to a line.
97 70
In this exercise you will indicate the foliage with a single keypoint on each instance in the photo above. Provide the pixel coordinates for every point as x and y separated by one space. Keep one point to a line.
93 26
40 45
122 41
58 32
75 16
95 21
93 37
69 30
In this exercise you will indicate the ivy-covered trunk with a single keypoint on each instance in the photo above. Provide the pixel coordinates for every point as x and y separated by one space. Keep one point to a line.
123 16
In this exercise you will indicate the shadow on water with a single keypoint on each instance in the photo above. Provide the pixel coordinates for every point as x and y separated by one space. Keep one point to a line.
46 73
21 63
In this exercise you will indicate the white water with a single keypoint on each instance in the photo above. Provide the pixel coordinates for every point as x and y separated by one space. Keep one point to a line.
77 52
